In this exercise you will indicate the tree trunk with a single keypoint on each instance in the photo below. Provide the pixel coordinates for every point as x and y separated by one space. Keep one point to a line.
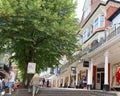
25 75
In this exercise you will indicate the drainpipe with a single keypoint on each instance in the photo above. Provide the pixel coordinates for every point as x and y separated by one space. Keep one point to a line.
106 85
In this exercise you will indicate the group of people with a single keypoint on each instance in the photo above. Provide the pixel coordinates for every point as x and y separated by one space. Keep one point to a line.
82 83
8 83
37 82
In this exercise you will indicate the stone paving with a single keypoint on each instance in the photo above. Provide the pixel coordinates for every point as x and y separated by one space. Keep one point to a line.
63 92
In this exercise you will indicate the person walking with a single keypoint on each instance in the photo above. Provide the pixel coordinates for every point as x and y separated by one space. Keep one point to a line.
11 81
41 83
0 84
84 82
47 83
35 82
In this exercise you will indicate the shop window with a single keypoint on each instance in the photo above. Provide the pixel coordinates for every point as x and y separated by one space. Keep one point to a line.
116 75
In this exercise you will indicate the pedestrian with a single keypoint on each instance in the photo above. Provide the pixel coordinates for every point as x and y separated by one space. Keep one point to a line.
47 83
0 84
84 82
3 83
35 82
11 81
43 81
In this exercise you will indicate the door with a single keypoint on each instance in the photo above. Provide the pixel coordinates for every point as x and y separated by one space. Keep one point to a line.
98 81
102 80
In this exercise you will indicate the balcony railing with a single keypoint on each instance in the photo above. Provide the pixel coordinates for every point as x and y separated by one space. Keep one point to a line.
112 32
115 30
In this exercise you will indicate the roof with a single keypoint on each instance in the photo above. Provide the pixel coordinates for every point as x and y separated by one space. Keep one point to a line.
114 14
94 6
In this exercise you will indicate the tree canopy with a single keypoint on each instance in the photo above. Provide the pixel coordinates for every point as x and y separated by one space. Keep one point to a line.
39 31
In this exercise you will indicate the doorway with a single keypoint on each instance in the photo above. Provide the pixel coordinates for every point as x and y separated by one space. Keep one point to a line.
100 78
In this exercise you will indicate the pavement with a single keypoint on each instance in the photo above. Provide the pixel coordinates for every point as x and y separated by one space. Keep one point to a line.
19 92
44 91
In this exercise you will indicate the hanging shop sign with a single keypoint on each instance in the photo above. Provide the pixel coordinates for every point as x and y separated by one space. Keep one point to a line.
85 63
31 68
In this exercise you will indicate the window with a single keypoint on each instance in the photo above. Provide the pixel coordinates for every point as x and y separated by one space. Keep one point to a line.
95 26
86 34
99 22
102 20
87 11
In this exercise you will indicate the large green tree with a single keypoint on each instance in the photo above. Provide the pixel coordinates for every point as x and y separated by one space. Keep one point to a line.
39 31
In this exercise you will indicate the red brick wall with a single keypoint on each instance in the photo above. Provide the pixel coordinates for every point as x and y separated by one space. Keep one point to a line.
110 11
94 75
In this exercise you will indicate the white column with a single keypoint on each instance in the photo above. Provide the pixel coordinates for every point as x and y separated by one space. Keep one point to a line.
106 69
59 82
76 82
91 65
52 83
63 81
90 73
56 83
69 81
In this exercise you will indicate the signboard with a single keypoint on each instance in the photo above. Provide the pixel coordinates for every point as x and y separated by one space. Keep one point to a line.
73 69
85 63
31 67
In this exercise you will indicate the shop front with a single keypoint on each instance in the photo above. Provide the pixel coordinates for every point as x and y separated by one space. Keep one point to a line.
115 84
100 78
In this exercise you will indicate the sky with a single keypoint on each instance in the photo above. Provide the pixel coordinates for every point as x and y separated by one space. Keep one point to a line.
79 8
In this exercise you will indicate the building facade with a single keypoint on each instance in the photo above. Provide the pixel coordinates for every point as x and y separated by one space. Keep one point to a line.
98 58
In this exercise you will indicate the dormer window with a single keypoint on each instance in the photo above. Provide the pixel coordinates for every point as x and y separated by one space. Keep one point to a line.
87 11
